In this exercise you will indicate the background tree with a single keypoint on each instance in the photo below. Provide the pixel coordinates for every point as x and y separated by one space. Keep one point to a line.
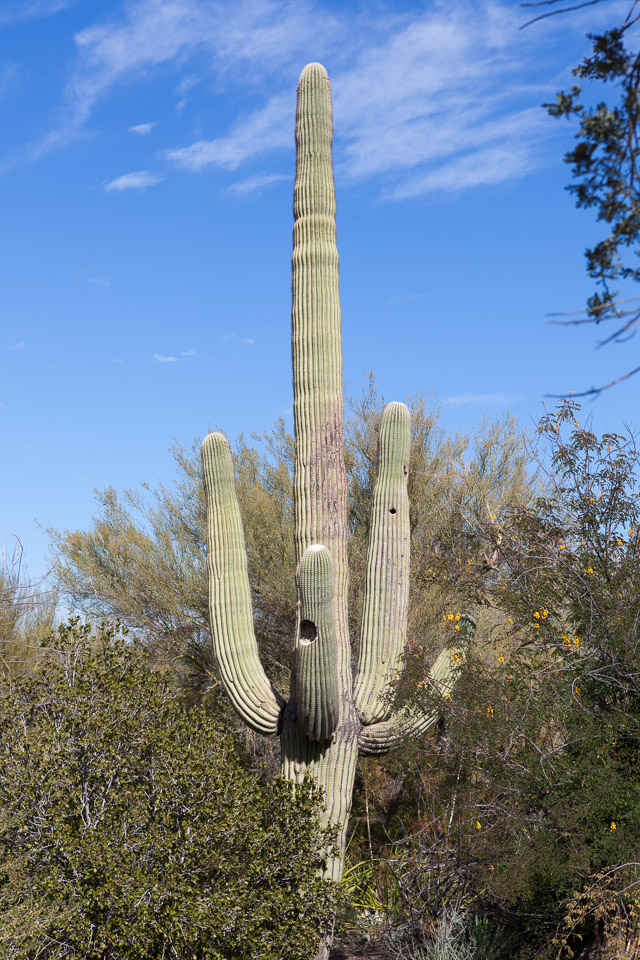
604 166
142 561
523 808
27 611
129 830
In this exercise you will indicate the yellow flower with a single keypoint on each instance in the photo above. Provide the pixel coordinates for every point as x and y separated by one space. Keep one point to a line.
562 546
613 825
545 614
537 626
447 696
450 616
457 626
500 659
419 683
457 616
478 825
578 691
589 570
491 866
576 641
510 677
537 615
619 542
490 711
630 531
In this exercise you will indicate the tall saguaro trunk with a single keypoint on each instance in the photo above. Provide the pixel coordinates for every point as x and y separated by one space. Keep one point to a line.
329 719
320 478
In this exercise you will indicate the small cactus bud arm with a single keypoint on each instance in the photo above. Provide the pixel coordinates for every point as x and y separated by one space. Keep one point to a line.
384 614
316 650
243 676
378 738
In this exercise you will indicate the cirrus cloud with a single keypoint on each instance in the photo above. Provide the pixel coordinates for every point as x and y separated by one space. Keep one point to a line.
137 180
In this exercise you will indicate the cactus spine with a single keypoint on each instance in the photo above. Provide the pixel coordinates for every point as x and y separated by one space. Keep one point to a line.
328 719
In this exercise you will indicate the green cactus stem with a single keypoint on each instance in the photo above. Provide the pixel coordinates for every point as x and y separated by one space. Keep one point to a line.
379 738
244 679
328 720
386 597
316 674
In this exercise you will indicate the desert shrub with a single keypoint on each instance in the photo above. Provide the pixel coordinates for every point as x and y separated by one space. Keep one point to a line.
128 829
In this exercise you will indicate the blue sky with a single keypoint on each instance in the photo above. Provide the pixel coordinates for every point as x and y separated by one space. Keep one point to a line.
147 165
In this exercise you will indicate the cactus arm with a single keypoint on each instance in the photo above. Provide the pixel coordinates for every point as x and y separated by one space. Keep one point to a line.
316 673
378 738
386 598
243 677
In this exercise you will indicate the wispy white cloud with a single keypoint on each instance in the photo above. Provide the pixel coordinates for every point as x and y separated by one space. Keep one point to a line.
143 129
99 282
137 180
186 84
409 296
267 129
18 346
187 353
444 102
233 335
264 35
32 9
159 358
243 188
441 99
500 399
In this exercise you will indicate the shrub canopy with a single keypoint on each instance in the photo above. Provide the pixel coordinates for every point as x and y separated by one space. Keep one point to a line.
128 828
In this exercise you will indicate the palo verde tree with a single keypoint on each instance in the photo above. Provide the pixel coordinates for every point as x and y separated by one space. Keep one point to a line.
329 718
532 813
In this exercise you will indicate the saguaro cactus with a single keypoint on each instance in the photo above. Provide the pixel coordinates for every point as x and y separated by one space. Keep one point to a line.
328 719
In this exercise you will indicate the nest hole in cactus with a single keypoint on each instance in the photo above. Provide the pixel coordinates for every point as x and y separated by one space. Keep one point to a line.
392 509
308 632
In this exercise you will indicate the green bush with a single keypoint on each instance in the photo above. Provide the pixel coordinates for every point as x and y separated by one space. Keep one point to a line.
129 830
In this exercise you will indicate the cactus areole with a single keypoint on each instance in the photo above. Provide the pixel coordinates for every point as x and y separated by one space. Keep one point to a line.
329 718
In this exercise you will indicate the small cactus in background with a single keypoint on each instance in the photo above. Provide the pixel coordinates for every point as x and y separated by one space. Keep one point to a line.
328 720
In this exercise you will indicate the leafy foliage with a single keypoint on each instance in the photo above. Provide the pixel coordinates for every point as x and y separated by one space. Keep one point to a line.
543 733
604 166
128 829
521 809
27 610
143 560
